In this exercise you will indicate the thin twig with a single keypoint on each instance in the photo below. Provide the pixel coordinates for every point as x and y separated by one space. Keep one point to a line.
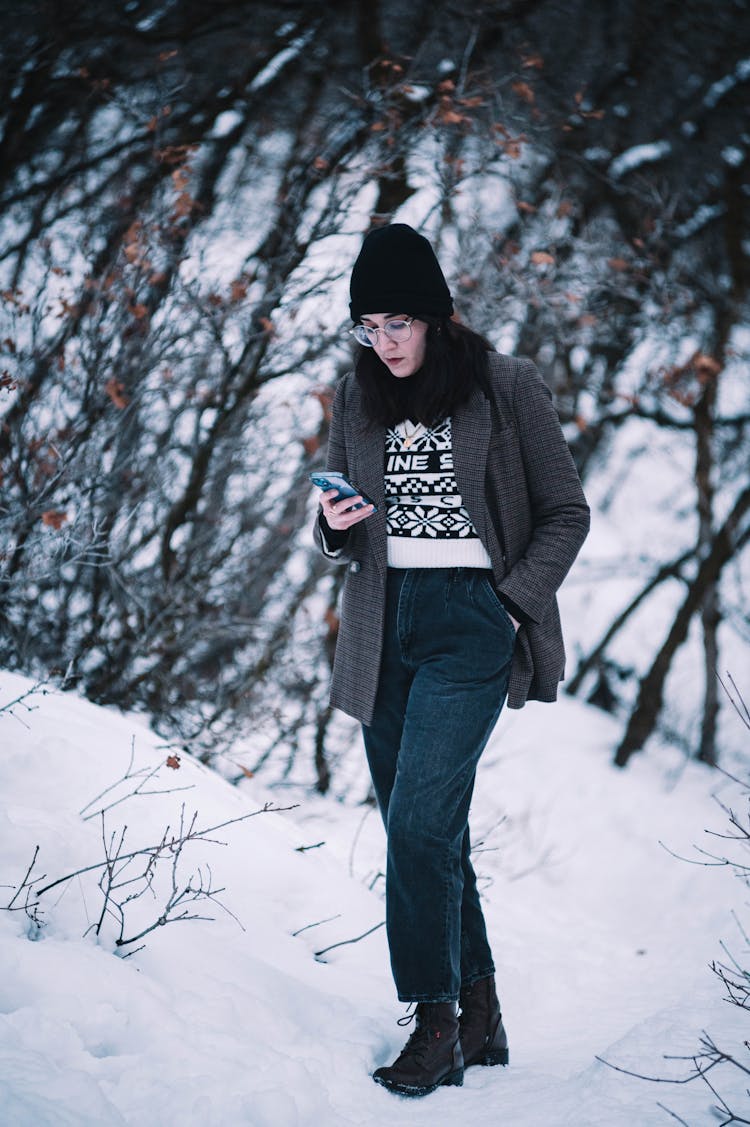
355 839
652 1079
461 85
23 885
146 774
739 704
268 808
673 1114
346 942
327 920
11 704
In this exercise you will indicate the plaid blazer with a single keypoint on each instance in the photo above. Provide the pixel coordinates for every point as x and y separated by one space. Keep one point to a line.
520 487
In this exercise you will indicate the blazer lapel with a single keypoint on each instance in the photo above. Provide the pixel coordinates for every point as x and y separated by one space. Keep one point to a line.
471 426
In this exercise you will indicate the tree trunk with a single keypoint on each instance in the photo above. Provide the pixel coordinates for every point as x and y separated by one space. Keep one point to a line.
671 570
710 610
651 694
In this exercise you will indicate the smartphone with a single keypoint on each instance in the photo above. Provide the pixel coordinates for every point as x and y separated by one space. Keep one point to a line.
332 479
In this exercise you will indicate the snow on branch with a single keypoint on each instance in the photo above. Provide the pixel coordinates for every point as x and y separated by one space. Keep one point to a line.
722 86
636 156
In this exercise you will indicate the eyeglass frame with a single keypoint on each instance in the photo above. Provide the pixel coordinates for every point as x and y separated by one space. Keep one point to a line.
384 329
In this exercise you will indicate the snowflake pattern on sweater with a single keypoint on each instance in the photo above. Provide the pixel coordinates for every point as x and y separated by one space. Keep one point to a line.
421 492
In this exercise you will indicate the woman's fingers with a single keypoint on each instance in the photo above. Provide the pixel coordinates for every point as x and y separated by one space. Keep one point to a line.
342 514
346 517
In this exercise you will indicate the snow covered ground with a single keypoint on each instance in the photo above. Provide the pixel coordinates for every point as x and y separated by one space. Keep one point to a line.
602 938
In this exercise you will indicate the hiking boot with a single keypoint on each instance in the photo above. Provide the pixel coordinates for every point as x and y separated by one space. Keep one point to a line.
432 1055
483 1038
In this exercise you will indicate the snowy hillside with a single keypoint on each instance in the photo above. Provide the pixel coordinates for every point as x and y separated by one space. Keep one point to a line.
601 937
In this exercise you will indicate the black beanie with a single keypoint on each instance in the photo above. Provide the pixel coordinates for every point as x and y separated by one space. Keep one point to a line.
397 272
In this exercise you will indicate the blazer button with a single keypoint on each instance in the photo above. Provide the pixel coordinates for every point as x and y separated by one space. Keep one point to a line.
355 566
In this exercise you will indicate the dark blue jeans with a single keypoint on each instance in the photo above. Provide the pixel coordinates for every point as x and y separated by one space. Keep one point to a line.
443 679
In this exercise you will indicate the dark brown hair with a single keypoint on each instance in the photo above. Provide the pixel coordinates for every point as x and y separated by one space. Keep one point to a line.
455 362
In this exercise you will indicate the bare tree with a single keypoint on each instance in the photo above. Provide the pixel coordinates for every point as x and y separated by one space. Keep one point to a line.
182 189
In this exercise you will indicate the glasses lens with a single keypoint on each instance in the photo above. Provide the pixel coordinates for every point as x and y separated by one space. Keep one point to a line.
398 330
362 336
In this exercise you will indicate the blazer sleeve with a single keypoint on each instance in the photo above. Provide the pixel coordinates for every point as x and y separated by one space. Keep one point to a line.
332 542
559 512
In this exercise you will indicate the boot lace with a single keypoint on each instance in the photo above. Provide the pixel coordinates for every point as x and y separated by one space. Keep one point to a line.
419 1039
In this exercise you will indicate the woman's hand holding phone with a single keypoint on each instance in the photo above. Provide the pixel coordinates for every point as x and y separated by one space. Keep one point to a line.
343 505
340 513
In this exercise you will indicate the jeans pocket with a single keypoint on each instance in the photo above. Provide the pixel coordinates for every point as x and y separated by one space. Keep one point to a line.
494 599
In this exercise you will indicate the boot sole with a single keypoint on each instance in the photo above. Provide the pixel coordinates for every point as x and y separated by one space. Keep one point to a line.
491 1057
413 1091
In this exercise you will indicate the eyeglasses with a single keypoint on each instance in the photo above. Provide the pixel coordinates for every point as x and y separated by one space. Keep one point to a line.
398 331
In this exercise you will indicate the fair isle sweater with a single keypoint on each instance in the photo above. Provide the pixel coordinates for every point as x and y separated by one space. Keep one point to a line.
426 521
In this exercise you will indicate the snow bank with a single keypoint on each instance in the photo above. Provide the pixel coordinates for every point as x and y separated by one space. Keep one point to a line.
601 937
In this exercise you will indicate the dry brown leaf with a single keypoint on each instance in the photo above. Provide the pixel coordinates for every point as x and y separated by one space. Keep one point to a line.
451 117
524 92
331 621
180 179
685 398
512 147
706 367
324 397
115 389
183 205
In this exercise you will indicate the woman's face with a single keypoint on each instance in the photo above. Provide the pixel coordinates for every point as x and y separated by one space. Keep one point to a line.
402 358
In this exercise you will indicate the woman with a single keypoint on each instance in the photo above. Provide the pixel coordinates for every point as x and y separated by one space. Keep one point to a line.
448 608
